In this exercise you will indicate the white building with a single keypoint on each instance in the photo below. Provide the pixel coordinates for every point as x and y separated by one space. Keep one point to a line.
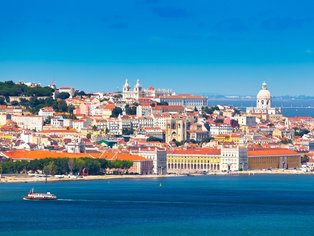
59 122
143 110
186 100
81 124
264 103
46 112
160 120
156 93
64 89
234 159
145 122
247 121
114 126
157 155
29 122
217 129
128 93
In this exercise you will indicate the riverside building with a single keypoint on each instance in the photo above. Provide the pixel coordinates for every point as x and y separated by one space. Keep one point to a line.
185 161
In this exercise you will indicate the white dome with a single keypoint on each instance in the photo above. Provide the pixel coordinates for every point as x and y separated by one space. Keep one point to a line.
264 93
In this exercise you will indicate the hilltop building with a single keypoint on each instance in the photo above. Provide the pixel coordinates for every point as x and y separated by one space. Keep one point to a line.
185 100
138 92
264 104
128 93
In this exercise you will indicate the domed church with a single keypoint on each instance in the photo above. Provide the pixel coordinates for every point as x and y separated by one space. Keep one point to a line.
263 103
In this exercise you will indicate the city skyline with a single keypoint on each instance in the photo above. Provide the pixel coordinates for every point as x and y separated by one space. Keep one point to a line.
220 47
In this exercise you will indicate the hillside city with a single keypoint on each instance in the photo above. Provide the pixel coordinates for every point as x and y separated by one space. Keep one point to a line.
145 131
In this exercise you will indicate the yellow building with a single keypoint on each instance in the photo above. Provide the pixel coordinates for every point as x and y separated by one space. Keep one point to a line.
277 133
181 161
228 138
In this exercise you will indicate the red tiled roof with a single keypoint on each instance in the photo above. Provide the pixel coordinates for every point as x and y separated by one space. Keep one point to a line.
183 96
41 154
271 152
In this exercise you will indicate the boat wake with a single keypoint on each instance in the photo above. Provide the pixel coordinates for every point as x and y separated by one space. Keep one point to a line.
138 201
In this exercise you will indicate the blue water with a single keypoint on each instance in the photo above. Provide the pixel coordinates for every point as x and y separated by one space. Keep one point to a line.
291 108
209 205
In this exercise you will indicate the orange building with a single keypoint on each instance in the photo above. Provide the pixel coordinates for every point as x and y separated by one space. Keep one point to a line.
275 158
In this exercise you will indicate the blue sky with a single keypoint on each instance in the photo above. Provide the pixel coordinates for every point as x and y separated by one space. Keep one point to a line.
201 46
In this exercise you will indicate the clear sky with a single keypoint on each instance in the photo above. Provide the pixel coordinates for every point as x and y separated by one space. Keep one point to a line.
201 46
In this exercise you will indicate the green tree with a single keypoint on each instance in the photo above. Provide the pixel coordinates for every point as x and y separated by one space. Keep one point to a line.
206 140
126 131
71 165
131 110
305 159
50 168
162 103
47 121
155 139
15 103
300 132
63 95
79 94
2 101
116 112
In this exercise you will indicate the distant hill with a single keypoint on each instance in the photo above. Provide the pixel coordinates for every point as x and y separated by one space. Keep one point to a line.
9 88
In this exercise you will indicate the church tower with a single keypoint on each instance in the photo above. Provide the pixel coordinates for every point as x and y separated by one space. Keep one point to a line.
137 90
126 89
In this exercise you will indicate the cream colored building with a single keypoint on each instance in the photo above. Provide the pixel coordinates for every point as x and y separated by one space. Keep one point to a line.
176 129
234 158
181 161
29 122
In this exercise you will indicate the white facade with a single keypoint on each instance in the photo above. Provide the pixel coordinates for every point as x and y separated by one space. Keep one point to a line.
128 93
247 121
186 100
60 122
114 126
264 103
220 129
234 159
45 113
145 122
143 111
69 90
159 158
29 122
160 120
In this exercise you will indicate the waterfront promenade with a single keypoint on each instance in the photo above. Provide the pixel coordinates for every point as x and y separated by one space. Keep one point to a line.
22 178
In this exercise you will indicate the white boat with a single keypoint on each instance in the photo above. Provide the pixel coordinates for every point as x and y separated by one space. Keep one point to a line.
39 196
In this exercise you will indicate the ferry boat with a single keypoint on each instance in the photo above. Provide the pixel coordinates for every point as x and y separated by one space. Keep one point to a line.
39 196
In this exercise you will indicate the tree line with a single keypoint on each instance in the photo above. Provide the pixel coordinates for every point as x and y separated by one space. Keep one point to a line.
34 105
9 88
62 166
